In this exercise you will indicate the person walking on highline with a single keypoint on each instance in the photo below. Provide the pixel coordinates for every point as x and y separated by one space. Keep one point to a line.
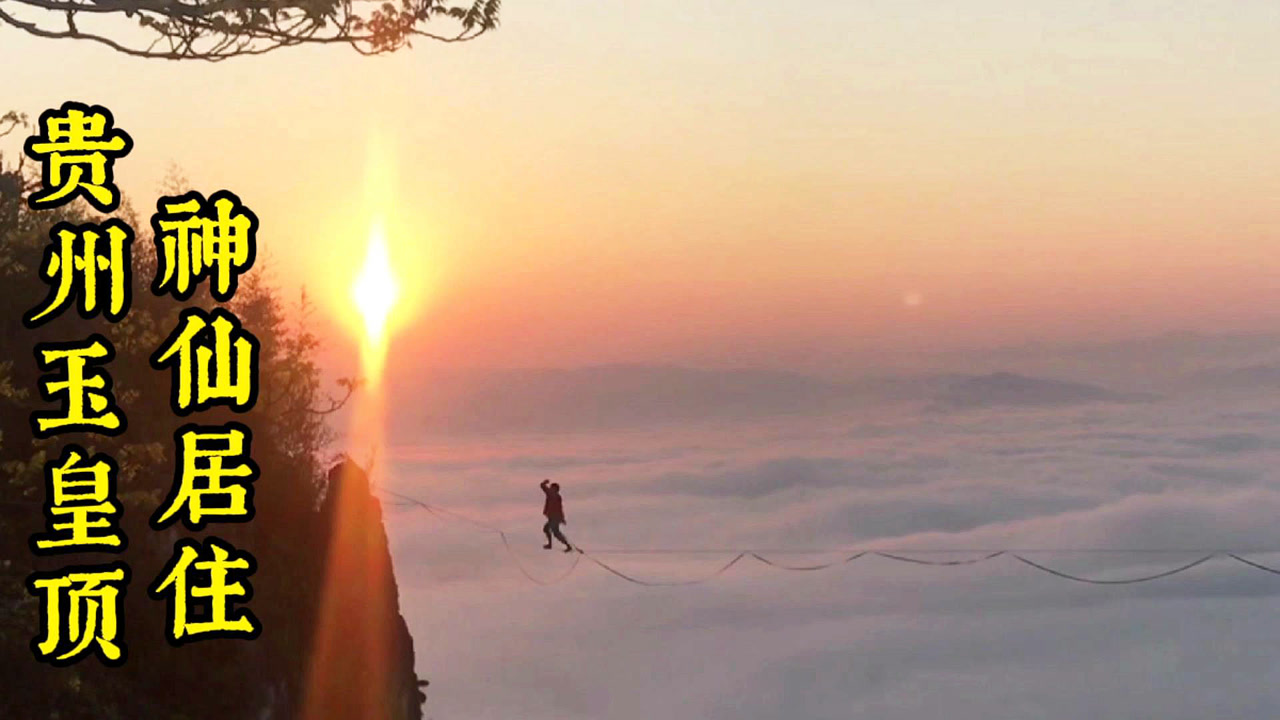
554 510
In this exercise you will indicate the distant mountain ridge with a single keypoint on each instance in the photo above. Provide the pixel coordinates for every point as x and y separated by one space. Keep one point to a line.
1250 377
619 396
610 396
1012 389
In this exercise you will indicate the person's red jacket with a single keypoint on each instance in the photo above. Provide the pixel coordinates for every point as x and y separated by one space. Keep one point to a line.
553 508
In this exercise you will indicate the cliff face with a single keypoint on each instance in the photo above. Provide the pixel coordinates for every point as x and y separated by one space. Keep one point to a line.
334 644
361 666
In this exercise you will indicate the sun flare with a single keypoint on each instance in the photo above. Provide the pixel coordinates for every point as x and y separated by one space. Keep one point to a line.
375 292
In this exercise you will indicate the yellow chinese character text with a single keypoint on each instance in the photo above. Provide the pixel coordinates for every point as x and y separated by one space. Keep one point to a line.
80 505
80 613
214 360
87 402
211 478
91 261
196 239
76 148
217 562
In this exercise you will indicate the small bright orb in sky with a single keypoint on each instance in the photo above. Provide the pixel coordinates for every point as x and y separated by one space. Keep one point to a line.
913 299
375 291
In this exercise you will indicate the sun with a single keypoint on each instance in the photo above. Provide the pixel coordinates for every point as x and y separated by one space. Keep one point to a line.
375 292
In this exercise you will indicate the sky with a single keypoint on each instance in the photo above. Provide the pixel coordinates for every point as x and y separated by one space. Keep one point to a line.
755 184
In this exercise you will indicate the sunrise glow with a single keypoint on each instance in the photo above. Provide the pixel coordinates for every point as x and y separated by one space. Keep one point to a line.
375 292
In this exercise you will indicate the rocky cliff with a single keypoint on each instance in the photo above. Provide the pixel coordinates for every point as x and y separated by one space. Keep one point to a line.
362 660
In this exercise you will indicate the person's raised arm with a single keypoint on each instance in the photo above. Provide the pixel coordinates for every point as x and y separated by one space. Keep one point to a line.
543 485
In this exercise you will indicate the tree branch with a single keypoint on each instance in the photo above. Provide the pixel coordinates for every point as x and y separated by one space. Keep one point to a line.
220 29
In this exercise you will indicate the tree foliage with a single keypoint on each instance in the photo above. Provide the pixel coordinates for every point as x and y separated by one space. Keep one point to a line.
222 679
219 29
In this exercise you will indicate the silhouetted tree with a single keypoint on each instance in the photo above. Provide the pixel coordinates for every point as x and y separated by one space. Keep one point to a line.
289 536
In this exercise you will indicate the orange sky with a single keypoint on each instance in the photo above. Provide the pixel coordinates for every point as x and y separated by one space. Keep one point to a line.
738 183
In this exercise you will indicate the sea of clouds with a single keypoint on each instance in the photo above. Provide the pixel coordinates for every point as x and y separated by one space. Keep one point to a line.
1188 468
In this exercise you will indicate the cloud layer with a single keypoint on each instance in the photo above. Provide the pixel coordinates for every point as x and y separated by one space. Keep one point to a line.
874 638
